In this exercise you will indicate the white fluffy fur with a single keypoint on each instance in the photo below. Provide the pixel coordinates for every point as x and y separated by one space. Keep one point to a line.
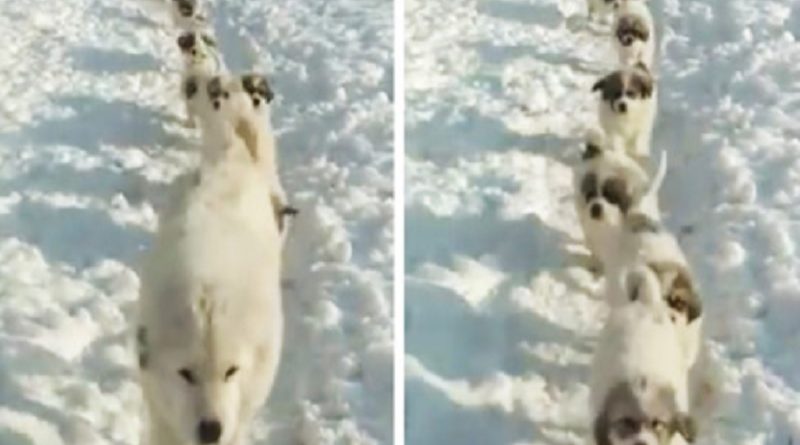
210 300
196 21
639 340
640 51
602 237
649 247
639 346
601 10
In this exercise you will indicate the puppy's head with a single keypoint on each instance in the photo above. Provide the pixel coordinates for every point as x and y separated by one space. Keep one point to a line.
640 412
257 87
195 46
186 8
605 199
679 292
625 89
632 28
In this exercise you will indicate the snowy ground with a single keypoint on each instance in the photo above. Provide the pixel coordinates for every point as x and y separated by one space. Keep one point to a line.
500 323
90 138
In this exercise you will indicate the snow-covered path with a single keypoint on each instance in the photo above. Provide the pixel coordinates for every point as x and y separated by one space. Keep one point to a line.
500 321
90 137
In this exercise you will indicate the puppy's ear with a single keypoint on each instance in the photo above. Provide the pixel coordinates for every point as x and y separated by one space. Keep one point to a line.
694 306
685 425
190 87
599 85
602 429
643 83
141 346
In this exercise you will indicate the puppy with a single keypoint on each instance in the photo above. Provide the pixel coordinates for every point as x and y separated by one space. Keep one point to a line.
639 381
188 15
644 240
634 33
606 184
210 327
201 59
627 109
239 105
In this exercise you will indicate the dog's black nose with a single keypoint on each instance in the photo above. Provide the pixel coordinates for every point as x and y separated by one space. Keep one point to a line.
596 211
623 107
209 431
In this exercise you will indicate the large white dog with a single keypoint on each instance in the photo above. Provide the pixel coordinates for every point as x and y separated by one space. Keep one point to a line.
211 324
639 382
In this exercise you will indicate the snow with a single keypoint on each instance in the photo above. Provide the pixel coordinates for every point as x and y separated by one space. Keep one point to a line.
91 136
501 320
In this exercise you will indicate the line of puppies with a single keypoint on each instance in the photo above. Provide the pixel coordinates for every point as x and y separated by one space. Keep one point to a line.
210 328
640 384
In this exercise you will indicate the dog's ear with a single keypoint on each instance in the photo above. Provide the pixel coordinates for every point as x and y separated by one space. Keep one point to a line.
208 40
602 429
599 85
694 306
686 426
190 87
141 346
643 83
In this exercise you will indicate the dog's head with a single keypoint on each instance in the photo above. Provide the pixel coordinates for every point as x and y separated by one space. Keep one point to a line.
258 89
186 8
679 292
195 47
632 28
641 412
605 198
196 379
626 89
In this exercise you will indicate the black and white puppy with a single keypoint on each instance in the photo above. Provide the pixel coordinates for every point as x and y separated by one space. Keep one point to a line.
634 33
188 15
627 109
201 59
639 380
607 183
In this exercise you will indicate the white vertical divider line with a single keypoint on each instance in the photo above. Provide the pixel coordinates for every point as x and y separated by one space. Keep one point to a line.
399 222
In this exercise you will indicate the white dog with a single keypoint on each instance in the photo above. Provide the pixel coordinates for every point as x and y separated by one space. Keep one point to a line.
211 324
627 110
607 182
634 33
201 59
644 240
248 97
639 382
188 15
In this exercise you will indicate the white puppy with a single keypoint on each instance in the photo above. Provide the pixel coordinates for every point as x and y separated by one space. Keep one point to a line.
248 97
210 318
639 382
627 110
201 59
188 15
634 33
607 182
645 240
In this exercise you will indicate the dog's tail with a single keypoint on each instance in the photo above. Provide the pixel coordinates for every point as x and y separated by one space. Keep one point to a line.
642 285
648 203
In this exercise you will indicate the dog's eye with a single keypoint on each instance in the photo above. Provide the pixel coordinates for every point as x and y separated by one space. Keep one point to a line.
187 375
631 94
231 372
